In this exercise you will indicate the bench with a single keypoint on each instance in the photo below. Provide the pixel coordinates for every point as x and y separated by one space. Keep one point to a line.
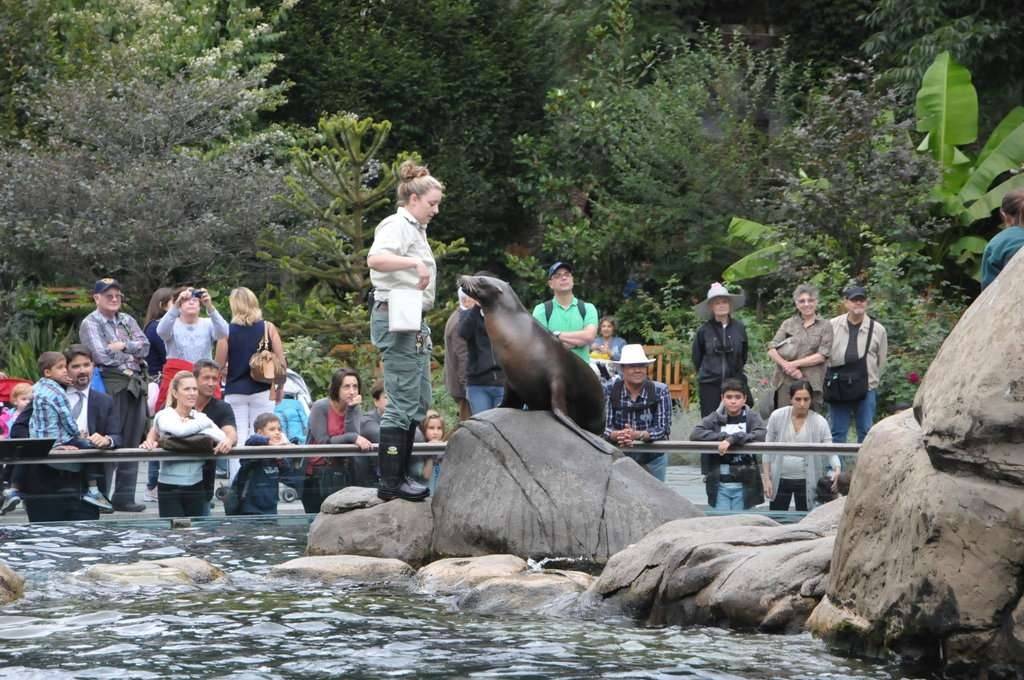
670 370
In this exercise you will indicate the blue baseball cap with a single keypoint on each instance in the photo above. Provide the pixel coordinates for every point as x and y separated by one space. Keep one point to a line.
558 265
103 285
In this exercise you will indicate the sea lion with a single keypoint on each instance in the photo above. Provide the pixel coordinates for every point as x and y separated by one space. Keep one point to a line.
539 371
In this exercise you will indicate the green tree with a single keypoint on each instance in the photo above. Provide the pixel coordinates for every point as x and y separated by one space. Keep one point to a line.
458 79
140 136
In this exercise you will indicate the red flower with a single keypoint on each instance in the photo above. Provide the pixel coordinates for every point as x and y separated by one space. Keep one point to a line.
913 378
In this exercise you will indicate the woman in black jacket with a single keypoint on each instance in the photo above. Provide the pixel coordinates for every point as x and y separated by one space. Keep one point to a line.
719 347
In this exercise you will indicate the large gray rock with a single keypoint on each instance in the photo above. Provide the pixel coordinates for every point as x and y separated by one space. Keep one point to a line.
525 484
971 403
457 574
172 571
742 571
927 564
359 568
551 592
397 529
12 585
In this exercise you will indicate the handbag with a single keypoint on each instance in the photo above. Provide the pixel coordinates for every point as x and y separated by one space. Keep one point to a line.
264 365
405 310
192 443
849 382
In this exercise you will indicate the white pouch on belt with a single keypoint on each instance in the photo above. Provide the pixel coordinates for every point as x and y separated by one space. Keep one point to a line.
405 309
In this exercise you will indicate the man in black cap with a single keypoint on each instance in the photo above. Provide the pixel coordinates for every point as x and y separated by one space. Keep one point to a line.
855 366
118 348
572 321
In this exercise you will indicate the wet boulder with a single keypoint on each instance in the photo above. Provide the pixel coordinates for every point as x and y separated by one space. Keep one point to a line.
928 564
523 483
12 585
397 529
551 592
188 571
739 571
329 568
457 574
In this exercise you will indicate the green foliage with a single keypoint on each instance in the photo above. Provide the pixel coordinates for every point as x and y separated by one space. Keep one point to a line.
645 153
909 34
335 186
140 137
458 79
317 313
306 357
22 353
947 111
850 178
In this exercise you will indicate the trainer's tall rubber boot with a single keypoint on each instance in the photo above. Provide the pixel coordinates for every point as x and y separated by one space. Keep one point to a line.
391 458
410 439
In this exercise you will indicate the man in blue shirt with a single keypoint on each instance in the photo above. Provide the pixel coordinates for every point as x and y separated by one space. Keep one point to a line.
638 410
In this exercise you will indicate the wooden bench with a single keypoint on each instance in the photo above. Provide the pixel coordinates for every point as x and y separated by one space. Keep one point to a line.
70 298
670 370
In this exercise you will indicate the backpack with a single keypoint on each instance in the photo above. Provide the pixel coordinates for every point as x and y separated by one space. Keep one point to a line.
549 309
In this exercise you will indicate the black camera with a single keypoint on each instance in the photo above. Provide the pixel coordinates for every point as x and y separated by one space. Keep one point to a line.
198 293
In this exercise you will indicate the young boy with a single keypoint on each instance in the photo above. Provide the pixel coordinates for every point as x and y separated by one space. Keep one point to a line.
257 478
735 483
52 419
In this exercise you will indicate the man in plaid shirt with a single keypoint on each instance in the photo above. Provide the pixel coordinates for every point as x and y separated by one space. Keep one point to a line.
638 410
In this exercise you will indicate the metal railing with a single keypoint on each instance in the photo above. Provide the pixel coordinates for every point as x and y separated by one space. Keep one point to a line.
420 449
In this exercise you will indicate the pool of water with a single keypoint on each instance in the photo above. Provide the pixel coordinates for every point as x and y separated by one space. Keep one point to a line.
258 626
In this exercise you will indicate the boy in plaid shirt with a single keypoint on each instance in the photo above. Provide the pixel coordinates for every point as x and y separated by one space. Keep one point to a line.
52 419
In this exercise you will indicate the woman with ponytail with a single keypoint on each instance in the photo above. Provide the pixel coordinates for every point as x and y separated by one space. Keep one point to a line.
400 258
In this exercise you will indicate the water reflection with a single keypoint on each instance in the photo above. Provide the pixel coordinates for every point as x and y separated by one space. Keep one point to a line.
258 626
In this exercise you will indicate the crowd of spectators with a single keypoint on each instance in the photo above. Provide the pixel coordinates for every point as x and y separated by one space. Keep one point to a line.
184 381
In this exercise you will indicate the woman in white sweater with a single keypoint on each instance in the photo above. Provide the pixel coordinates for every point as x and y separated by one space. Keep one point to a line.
796 477
180 485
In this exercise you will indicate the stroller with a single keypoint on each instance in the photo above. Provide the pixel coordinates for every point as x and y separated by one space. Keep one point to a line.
294 414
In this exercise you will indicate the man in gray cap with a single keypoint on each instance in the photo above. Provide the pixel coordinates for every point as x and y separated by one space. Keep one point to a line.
119 348
855 366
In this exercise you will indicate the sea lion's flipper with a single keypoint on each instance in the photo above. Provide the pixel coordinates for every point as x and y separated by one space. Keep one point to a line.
592 439
511 400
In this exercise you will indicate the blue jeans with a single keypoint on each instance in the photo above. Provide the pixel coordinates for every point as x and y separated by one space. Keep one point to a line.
484 397
863 412
154 473
435 476
658 466
730 496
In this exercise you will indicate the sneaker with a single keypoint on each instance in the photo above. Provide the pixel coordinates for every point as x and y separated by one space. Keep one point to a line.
94 497
150 495
11 500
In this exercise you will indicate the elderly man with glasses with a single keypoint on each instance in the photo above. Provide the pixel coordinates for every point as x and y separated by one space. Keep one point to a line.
119 348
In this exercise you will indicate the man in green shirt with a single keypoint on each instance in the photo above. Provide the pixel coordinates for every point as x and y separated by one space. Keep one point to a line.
572 321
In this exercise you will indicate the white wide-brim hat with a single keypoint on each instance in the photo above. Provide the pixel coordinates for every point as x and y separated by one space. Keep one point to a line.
633 355
717 290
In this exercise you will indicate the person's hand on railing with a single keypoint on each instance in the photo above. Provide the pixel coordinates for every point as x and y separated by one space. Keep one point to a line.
222 447
149 444
363 443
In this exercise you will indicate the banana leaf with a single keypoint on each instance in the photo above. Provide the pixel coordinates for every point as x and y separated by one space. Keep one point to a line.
983 207
758 263
947 108
1006 155
748 230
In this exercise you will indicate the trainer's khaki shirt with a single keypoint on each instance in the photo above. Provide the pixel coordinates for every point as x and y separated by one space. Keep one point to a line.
401 234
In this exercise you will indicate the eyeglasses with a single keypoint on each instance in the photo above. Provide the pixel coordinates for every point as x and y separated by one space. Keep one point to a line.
807 301
562 275
112 296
